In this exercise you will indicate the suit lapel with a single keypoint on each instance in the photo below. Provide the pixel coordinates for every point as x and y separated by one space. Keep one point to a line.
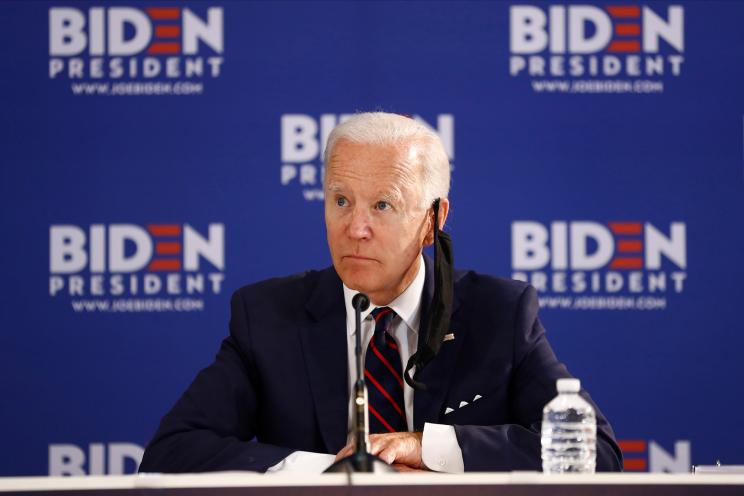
437 375
324 344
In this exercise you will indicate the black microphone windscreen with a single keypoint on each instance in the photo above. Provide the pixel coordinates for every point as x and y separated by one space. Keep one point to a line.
360 301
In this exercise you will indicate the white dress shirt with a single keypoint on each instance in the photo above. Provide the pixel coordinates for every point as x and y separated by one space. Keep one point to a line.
440 451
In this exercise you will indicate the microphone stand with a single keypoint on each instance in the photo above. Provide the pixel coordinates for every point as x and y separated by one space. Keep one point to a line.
361 460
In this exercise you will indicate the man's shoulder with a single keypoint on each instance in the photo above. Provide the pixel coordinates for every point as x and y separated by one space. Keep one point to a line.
485 289
296 288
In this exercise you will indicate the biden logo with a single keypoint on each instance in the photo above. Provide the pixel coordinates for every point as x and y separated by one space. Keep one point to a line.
114 43
127 260
617 46
640 455
632 260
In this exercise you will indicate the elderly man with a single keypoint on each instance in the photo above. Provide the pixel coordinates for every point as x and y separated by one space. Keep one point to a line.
277 396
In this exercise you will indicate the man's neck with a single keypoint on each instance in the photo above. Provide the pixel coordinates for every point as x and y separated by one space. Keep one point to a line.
407 304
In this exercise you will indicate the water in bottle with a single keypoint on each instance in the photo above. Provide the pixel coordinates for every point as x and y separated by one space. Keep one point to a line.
569 432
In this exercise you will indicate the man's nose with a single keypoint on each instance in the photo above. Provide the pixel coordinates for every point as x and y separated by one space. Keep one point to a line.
359 226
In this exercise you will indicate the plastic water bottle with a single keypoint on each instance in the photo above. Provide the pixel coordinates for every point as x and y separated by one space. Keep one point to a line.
569 432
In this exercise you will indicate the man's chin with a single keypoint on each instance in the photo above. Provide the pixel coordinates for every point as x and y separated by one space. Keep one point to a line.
364 281
358 285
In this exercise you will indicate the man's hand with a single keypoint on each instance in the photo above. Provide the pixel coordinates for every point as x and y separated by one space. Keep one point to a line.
395 448
405 468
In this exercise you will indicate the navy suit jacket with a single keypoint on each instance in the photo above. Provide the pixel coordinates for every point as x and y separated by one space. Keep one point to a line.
280 380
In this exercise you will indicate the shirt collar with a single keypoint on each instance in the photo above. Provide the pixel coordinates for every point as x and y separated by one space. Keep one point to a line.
407 305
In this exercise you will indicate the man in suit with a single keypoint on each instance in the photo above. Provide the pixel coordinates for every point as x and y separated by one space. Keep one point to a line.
277 396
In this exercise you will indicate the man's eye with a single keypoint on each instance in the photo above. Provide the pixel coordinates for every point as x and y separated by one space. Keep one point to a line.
382 205
341 201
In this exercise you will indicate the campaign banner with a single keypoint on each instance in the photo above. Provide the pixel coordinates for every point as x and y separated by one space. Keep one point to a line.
158 156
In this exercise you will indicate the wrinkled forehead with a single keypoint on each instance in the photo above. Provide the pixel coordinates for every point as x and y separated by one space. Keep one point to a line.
383 165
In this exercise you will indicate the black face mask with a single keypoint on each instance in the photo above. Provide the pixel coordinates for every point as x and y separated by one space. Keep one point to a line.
440 309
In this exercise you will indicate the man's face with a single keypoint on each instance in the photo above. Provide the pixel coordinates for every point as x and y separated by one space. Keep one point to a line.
374 218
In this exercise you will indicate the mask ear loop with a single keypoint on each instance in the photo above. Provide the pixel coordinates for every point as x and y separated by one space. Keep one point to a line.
440 310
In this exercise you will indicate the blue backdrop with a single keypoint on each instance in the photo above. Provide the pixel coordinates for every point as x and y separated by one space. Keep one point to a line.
156 157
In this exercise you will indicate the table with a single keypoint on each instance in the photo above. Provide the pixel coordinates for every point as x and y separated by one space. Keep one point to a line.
412 484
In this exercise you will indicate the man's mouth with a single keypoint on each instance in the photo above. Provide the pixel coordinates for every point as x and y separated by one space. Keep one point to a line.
360 258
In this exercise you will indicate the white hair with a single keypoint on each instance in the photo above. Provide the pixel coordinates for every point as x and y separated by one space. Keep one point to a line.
382 128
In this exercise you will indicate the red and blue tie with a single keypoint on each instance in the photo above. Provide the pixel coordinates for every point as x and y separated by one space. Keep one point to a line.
382 371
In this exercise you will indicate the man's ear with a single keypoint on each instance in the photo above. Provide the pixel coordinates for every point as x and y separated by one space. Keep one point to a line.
443 212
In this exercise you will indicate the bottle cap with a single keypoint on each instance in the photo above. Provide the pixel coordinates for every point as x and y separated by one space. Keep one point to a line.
568 385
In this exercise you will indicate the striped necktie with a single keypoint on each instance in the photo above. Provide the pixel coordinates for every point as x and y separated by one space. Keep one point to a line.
382 371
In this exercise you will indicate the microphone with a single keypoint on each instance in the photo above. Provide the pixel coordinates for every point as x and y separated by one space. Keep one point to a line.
360 302
361 460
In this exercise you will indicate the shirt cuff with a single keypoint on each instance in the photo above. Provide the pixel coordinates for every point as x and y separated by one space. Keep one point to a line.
439 449
303 462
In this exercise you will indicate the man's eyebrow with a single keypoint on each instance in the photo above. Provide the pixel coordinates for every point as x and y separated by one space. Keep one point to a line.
335 187
393 195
